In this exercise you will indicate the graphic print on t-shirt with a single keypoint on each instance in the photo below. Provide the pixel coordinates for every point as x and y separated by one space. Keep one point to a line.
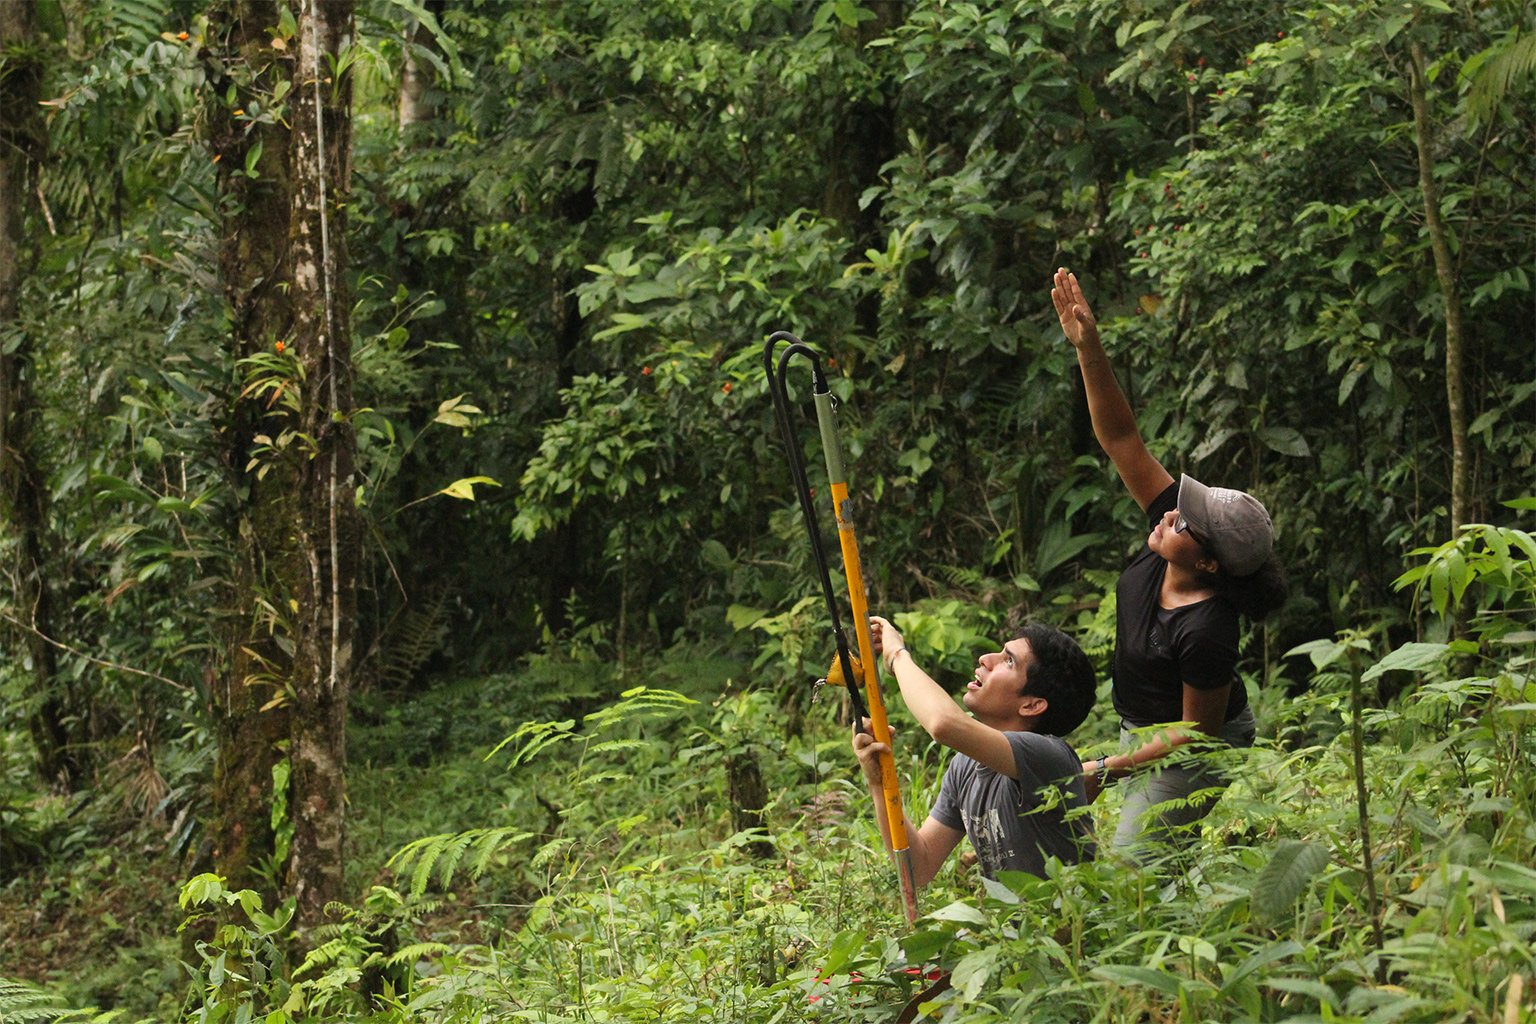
988 838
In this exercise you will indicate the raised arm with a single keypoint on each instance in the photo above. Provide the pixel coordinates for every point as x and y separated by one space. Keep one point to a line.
1114 424
935 710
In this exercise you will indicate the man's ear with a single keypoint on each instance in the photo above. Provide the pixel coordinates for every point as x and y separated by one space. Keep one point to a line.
1208 564
1032 705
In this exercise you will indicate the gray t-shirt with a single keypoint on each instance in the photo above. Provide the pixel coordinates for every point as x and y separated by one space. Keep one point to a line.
1005 819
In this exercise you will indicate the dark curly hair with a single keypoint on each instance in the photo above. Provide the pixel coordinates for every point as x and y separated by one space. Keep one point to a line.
1256 595
1061 673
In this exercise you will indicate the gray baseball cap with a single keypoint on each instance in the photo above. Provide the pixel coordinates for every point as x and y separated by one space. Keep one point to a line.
1232 525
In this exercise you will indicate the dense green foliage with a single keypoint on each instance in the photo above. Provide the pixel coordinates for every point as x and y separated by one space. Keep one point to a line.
563 273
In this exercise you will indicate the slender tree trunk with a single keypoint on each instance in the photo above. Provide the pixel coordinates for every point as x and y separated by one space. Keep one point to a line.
254 266
328 529
864 140
415 104
1445 271
23 491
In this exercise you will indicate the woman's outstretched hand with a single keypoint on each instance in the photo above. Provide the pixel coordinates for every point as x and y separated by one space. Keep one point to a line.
1072 309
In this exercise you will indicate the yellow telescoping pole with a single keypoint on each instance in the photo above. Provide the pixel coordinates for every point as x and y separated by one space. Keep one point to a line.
858 601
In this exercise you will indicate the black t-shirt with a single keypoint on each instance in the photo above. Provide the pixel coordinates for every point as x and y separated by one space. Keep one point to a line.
1158 650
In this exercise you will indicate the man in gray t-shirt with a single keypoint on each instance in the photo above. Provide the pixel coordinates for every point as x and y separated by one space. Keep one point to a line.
1013 778
1010 826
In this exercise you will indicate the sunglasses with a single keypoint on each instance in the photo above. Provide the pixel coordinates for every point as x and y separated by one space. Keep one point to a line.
1181 525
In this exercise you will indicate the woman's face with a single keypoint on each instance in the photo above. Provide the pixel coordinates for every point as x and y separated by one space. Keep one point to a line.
1178 546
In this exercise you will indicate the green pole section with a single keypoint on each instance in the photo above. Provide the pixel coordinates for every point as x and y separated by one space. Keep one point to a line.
826 420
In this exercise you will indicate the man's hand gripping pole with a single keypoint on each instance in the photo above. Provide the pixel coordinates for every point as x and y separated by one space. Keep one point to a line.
865 668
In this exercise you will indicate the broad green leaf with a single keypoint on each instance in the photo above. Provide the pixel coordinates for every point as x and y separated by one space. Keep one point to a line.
1261 958
844 948
1275 890
998 891
1127 975
960 912
1285 440
1304 986
973 971
1411 657
742 617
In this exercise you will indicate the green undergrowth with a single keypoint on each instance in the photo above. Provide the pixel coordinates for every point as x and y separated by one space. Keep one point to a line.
629 897
564 845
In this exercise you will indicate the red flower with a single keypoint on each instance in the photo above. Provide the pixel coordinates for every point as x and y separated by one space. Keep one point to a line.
1279 35
182 36
280 347
726 387
645 371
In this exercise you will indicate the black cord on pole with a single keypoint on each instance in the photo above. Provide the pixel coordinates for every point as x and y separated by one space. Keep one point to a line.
778 389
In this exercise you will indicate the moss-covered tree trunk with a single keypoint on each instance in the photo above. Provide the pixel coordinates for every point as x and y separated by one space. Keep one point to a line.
249 721
328 532
23 490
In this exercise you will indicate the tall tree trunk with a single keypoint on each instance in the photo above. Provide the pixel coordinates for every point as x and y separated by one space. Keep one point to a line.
1445 271
415 105
254 267
23 491
328 529
864 141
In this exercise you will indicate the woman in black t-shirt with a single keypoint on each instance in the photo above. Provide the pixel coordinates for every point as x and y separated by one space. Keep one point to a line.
1208 559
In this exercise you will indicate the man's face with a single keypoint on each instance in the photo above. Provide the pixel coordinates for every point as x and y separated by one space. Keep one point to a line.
995 695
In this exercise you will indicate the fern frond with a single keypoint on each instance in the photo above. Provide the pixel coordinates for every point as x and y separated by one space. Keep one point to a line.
491 842
550 850
419 635
327 953
446 850
419 852
141 21
418 951
534 737
642 700
613 746
449 859
24 1004
1497 70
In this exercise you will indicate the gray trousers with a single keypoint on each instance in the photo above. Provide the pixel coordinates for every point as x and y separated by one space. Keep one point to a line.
1162 811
